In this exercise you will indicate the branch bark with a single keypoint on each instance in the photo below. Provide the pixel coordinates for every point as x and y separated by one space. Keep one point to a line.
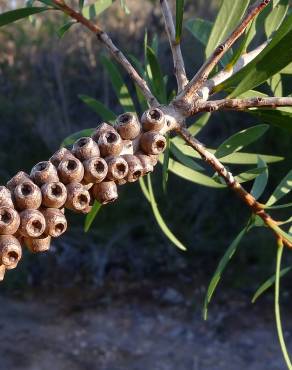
179 68
189 93
104 38
256 207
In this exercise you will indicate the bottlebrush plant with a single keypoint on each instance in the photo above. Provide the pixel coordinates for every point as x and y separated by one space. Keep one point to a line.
87 171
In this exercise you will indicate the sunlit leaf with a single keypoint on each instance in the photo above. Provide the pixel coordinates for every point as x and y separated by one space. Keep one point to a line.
261 181
185 160
105 113
276 85
250 174
167 232
281 118
220 269
95 9
268 283
280 206
276 16
281 190
91 215
239 140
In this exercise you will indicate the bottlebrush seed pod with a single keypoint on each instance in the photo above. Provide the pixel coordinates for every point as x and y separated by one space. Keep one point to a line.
9 221
2 272
60 154
78 198
44 172
117 168
56 223
146 162
54 194
128 126
85 148
110 143
101 128
70 170
153 120
152 142
37 245
95 170
5 197
17 179
32 223
27 196
105 192
135 167
10 251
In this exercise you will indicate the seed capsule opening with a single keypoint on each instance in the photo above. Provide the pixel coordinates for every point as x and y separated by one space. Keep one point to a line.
12 257
82 199
36 226
59 228
5 216
99 167
57 190
125 118
155 114
160 145
42 166
83 141
137 174
26 189
71 165
111 137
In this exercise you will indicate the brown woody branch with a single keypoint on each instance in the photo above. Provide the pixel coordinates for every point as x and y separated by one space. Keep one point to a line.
179 68
256 207
189 93
116 53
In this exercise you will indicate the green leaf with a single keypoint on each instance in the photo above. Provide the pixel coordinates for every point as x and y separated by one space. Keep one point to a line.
167 232
179 19
281 190
15 15
234 158
220 269
275 56
119 85
165 165
124 7
91 215
227 19
185 160
200 29
241 139
281 118
280 206
81 4
276 85
268 283
62 30
261 181
281 232
157 76
276 16
105 113
250 174
69 140
144 188
94 10
287 69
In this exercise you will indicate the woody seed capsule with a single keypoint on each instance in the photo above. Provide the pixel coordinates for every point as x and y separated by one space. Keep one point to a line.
95 170
2 272
117 168
56 223
32 223
54 194
78 198
128 126
17 179
101 128
135 167
27 195
41 244
85 148
110 143
70 170
153 119
44 172
9 221
152 142
146 162
61 154
105 192
5 197
10 251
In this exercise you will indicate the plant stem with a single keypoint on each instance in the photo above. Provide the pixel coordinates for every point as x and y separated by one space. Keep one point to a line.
277 306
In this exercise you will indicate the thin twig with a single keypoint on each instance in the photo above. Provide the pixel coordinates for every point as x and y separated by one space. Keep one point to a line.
179 68
241 104
117 54
231 182
201 76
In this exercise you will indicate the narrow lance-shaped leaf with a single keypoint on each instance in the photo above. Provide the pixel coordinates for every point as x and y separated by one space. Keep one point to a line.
227 19
91 215
241 139
281 190
179 19
261 181
281 118
95 9
167 232
165 165
15 15
157 76
220 269
276 16
98 107
62 30
268 283
185 160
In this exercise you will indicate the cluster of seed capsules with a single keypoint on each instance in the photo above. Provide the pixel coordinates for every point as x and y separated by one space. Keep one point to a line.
32 207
